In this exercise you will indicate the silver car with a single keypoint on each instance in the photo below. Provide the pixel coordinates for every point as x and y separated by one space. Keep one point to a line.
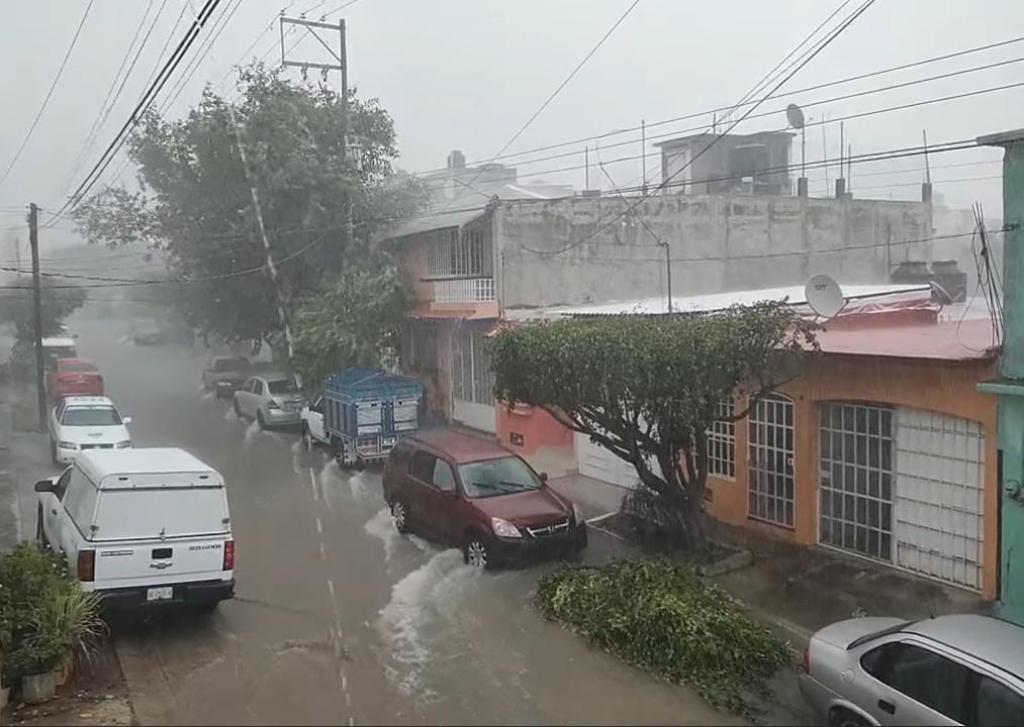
273 400
950 670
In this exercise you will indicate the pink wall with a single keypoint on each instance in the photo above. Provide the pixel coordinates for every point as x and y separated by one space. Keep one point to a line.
526 429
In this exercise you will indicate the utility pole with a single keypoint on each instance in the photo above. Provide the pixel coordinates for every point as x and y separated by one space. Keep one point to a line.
1009 387
643 154
37 312
668 273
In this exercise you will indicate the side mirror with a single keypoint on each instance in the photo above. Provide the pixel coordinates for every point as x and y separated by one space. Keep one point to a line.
543 476
126 420
44 486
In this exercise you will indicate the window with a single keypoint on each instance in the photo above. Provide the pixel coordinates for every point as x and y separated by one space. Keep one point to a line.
231 364
422 466
282 386
76 367
257 386
856 478
80 500
62 484
457 254
996 705
93 416
444 478
722 441
924 676
498 477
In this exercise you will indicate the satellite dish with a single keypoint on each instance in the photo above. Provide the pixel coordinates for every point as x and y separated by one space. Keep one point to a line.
824 296
795 116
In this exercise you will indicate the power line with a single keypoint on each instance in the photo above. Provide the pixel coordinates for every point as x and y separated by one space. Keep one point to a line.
147 98
721 109
49 94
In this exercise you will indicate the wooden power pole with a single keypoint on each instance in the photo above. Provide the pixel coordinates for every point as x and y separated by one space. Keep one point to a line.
37 312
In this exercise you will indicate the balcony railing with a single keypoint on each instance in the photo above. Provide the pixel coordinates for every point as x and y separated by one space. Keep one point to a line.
464 290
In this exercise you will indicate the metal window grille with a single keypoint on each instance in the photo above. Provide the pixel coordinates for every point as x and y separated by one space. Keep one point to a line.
722 441
857 446
471 367
456 254
770 447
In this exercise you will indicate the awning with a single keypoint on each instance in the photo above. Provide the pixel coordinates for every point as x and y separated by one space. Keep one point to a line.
437 220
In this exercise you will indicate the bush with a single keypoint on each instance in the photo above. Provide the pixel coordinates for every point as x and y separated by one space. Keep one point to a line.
45 617
660 616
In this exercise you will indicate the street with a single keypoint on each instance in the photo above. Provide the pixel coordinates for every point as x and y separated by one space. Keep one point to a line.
337 618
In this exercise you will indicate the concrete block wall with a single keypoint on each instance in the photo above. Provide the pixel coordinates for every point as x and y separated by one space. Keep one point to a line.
582 250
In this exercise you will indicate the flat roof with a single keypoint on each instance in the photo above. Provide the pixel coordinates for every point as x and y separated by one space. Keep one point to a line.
460 446
101 463
707 303
966 340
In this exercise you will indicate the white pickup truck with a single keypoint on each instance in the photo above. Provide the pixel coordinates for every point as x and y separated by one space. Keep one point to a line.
141 527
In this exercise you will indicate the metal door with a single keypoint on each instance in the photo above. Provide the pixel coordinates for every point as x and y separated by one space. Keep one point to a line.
770 444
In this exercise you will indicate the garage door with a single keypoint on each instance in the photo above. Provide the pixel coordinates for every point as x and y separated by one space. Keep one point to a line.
939 487
593 460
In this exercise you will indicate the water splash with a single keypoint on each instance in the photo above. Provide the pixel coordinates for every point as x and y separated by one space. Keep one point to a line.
359 483
381 526
229 414
253 432
418 602
209 395
297 457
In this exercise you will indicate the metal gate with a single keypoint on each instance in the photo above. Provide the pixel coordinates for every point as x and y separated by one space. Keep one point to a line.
770 448
940 474
857 478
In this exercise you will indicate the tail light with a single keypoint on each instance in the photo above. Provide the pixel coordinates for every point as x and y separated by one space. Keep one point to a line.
86 565
807 661
229 555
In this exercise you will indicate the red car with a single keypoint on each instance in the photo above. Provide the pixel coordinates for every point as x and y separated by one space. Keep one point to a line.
475 494
74 377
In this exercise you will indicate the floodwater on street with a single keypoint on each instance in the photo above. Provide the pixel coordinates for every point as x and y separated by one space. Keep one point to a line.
337 617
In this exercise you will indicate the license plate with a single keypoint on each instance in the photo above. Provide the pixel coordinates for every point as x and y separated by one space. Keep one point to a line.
164 593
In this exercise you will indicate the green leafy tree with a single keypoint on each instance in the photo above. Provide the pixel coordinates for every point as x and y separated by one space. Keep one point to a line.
355 321
194 198
59 300
647 388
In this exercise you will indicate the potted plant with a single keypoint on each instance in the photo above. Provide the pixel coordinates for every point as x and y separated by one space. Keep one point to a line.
46 620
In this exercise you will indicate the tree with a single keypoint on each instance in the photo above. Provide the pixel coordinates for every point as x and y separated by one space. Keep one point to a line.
355 321
647 388
58 301
194 199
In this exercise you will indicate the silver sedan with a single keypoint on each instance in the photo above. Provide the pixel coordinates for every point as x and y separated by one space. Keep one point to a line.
950 670
273 400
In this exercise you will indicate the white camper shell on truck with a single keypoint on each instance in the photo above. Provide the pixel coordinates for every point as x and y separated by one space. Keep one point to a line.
141 527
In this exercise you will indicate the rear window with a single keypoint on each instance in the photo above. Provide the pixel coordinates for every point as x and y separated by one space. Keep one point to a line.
93 416
77 368
231 364
282 386
497 477
169 513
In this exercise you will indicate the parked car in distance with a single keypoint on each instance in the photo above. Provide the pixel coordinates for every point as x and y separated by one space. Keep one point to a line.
272 399
148 334
312 415
81 423
224 374
475 494
950 670
141 527
73 377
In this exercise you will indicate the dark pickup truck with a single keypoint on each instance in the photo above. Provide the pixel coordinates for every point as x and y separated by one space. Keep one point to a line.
224 374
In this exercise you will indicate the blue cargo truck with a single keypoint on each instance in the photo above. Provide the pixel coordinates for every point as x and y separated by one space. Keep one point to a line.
365 412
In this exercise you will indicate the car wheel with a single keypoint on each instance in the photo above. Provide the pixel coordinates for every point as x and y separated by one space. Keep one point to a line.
259 420
400 516
476 553
845 718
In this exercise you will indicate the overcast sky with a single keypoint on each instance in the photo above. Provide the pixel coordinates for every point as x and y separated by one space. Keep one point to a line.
466 74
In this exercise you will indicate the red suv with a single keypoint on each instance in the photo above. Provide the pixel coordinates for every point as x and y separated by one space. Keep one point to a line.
74 377
481 497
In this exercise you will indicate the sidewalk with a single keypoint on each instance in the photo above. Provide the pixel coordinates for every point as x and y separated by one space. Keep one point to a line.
798 590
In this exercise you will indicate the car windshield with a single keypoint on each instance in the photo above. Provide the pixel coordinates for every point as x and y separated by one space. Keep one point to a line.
231 364
497 477
77 368
282 386
93 416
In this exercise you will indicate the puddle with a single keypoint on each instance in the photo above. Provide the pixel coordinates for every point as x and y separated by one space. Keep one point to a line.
420 605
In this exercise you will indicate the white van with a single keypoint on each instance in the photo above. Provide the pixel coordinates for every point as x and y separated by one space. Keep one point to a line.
141 527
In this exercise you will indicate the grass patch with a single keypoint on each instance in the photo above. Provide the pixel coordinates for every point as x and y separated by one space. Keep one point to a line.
660 616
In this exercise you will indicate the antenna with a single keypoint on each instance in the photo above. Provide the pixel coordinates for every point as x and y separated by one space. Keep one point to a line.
824 296
795 117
